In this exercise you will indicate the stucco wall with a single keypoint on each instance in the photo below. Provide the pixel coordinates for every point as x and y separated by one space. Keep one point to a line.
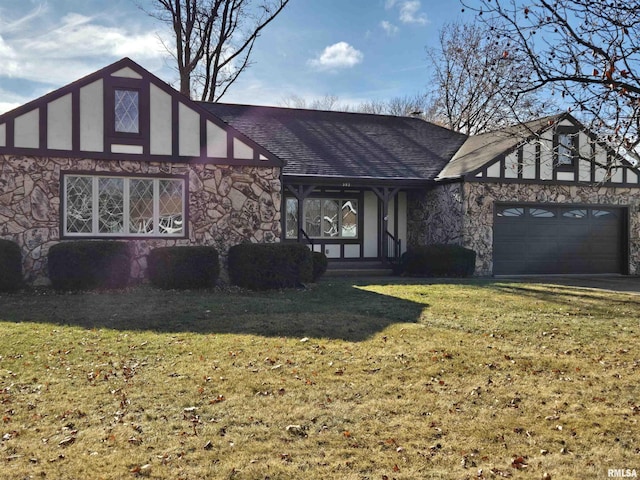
226 205
462 213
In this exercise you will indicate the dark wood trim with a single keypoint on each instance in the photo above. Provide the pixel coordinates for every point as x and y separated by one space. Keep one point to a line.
75 120
10 135
550 182
520 163
42 125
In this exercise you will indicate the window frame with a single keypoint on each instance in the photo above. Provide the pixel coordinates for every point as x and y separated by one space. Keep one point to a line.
115 111
112 136
573 133
341 199
126 196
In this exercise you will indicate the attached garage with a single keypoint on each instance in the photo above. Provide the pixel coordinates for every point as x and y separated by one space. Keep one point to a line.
559 239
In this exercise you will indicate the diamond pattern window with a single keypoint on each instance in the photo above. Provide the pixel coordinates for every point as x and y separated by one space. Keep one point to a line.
127 111
103 206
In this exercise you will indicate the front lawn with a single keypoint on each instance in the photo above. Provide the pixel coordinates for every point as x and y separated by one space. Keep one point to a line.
346 380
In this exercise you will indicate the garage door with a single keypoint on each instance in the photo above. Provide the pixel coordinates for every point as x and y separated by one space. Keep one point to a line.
543 239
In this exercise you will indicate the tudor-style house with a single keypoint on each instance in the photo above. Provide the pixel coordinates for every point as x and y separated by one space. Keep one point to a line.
121 155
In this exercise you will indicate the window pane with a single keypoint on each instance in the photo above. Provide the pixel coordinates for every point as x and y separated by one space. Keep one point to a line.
312 214
565 149
170 201
126 111
541 213
291 219
140 206
602 213
330 218
350 218
110 205
511 212
79 203
576 213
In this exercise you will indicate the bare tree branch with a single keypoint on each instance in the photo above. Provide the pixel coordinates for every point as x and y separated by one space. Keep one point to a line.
587 52
214 40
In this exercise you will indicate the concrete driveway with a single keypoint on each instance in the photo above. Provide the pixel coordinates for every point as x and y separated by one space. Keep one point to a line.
614 283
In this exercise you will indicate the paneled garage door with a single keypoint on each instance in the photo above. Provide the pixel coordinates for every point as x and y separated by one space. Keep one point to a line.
544 239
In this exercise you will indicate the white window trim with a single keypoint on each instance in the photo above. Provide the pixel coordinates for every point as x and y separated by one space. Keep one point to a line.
126 208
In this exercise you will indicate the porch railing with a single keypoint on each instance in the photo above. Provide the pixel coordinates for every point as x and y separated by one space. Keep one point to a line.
307 238
394 248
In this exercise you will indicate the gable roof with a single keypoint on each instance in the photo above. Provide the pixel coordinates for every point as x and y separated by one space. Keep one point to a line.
77 120
478 150
350 146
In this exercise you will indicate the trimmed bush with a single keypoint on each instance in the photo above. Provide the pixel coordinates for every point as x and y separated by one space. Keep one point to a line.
10 266
439 260
320 264
183 267
263 266
85 265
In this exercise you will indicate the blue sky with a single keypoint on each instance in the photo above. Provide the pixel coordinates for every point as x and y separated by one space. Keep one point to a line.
356 50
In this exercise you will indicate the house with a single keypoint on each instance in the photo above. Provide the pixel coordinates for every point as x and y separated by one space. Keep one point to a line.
121 155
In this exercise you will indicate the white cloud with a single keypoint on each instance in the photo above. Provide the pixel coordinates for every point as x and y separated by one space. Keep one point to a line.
36 51
409 11
389 27
338 55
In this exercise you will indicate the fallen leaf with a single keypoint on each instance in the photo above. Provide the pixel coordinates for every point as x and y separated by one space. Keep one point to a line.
65 442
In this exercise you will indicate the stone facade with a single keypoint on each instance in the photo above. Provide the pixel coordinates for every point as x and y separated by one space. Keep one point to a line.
462 213
435 215
226 205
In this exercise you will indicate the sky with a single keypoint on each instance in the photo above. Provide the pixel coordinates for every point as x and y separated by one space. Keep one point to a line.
355 50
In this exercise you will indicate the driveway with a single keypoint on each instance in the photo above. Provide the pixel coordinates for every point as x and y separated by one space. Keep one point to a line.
614 283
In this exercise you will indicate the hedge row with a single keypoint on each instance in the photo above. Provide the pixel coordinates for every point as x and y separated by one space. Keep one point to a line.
10 266
85 265
261 266
183 267
438 260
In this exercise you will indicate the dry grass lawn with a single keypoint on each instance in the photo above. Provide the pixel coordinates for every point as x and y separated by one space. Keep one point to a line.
469 379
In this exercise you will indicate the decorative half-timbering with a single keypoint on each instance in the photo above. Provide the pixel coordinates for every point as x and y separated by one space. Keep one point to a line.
543 197
120 155
123 112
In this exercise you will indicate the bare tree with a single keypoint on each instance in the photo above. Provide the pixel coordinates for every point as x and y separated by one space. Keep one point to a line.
327 102
401 106
476 83
585 52
214 40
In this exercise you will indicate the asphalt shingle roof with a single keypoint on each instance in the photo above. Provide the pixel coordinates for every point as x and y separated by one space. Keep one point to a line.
480 149
345 145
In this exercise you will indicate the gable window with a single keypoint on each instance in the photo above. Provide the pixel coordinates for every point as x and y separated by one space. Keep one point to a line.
566 148
323 218
104 206
126 111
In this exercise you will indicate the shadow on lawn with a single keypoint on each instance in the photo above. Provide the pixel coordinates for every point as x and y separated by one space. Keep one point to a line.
335 309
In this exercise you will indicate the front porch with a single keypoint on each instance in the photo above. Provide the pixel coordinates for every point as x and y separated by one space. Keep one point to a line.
349 224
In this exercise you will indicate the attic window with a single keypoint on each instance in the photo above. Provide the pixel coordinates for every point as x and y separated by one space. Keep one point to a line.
127 111
565 148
